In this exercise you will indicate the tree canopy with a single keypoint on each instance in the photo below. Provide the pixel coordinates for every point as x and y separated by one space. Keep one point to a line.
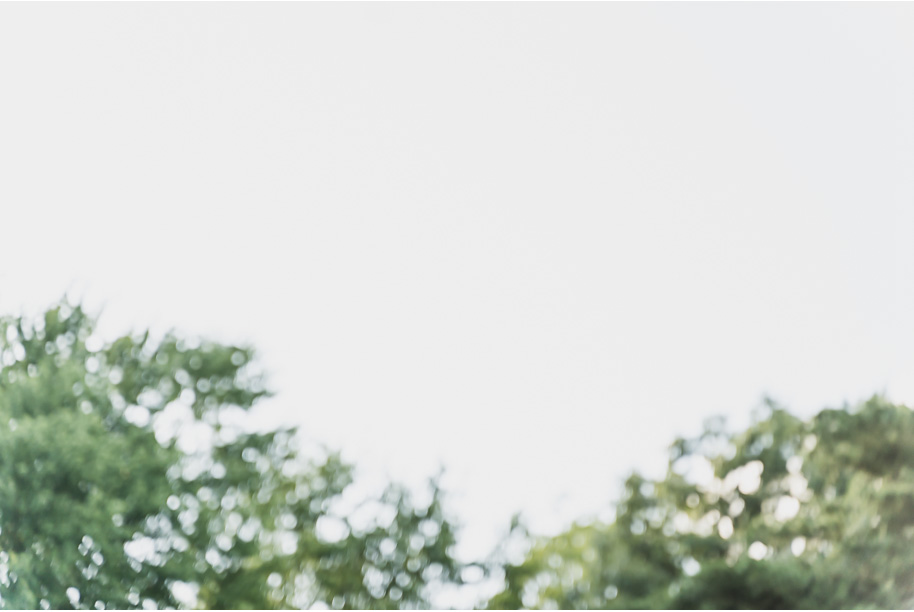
129 479
789 513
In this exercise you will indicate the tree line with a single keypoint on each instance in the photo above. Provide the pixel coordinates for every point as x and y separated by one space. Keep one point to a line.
130 478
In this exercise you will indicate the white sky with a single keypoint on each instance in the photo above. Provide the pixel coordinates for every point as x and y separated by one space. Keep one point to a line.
532 242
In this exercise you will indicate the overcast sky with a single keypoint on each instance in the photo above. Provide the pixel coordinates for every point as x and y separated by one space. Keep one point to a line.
530 242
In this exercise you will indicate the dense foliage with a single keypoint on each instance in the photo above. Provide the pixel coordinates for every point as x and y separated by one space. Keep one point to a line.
129 478
787 514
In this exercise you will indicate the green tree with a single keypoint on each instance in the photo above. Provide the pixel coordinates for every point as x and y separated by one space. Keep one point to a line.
129 478
789 513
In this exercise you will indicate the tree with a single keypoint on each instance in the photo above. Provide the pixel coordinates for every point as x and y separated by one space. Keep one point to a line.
789 513
129 478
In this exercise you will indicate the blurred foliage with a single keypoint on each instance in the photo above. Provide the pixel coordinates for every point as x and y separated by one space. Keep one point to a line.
131 476
129 479
789 513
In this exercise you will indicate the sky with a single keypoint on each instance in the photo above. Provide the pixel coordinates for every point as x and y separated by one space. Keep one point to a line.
531 243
